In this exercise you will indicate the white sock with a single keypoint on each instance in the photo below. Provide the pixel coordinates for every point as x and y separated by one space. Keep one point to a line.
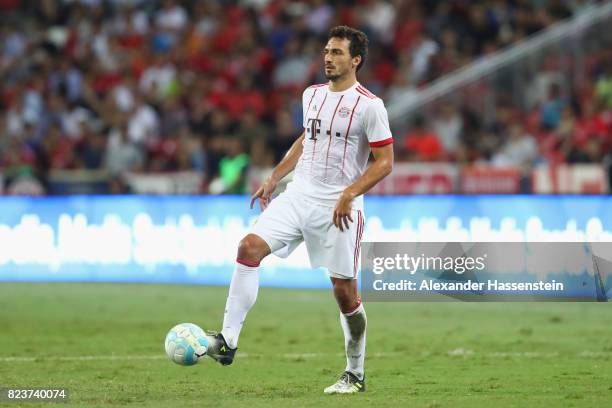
242 295
354 326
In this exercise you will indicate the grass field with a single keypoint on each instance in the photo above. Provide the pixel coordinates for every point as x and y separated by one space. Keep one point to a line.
104 342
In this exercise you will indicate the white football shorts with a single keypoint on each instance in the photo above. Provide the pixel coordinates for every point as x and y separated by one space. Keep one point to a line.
291 218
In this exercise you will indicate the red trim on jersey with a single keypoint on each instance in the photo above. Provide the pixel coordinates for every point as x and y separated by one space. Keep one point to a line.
330 135
365 94
361 88
348 130
357 242
381 142
314 145
316 86
245 262
306 114
311 98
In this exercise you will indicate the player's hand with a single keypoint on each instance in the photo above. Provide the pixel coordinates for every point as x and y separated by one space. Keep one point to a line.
264 193
342 211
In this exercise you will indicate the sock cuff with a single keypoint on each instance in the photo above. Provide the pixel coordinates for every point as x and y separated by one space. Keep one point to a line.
246 262
357 309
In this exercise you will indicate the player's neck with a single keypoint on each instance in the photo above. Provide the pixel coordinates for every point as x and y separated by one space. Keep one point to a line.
342 84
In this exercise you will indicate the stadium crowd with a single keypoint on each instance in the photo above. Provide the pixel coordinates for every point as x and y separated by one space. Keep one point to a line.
215 86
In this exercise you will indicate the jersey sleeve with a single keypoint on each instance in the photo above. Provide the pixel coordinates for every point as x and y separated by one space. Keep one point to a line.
376 124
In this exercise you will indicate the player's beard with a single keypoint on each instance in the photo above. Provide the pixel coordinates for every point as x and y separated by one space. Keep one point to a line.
335 77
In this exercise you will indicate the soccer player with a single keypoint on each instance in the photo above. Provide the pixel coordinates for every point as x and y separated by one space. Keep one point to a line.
323 205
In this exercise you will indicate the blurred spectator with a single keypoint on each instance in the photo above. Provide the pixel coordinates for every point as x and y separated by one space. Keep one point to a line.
284 136
448 125
479 30
143 122
121 155
377 17
595 121
159 78
16 117
19 163
58 149
171 17
232 169
294 67
550 113
90 149
520 149
401 88
422 144
604 85
422 51
190 154
251 129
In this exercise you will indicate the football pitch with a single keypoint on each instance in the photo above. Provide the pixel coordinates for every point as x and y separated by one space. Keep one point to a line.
104 343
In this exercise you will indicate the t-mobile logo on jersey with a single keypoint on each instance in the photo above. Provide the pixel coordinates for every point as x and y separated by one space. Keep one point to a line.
314 128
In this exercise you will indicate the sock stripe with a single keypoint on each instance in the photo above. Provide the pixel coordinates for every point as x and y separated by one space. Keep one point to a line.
356 307
245 262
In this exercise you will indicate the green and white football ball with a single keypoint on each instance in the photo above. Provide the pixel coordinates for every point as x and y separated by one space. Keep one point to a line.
186 343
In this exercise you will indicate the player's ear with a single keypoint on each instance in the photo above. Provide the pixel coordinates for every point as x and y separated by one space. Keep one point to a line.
356 61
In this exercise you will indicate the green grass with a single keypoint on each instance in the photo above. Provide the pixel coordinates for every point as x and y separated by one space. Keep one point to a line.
419 354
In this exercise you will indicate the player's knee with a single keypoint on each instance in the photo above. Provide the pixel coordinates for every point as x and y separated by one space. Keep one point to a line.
252 248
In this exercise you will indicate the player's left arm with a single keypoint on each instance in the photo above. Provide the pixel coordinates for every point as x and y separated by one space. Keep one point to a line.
379 169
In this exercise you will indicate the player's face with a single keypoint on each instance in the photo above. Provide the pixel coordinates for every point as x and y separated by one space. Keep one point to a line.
338 60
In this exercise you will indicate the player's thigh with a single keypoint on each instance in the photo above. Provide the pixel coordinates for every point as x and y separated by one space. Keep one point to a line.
336 250
278 224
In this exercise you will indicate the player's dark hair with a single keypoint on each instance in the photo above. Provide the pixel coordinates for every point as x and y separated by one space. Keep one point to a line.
358 41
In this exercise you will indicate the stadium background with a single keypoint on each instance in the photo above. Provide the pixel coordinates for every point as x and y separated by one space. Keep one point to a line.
142 125
197 97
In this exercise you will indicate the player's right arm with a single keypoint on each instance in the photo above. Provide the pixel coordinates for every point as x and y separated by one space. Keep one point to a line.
286 166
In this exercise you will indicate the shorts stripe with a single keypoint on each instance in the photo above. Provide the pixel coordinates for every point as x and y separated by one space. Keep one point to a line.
357 242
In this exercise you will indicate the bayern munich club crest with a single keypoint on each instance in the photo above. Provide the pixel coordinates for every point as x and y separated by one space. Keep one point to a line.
344 112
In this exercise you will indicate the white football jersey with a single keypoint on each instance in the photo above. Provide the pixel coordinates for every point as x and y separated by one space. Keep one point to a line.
339 130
